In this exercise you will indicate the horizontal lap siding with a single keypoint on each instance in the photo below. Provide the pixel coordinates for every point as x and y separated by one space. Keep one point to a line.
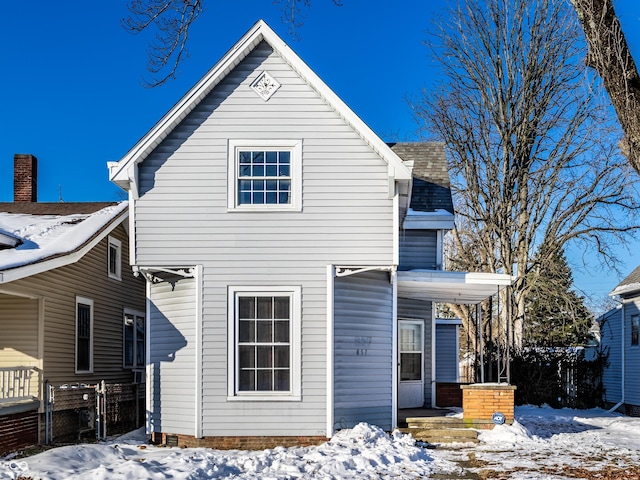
632 360
19 339
446 353
416 309
418 250
173 356
363 343
182 219
87 278
611 340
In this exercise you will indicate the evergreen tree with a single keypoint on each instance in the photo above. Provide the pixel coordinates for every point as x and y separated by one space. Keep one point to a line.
555 315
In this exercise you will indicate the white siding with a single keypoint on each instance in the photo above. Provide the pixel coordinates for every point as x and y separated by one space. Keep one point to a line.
416 309
173 356
610 334
363 350
182 219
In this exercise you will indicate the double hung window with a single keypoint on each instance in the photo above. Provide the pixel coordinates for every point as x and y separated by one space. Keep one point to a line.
134 339
114 261
635 330
84 335
265 346
264 175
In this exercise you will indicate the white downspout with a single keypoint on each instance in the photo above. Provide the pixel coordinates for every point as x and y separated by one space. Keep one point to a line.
433 355
330 350
147 351
394 348
198 421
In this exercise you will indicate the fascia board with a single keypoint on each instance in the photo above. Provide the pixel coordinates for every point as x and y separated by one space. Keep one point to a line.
24 271
625 289
397 169
429 222
118 172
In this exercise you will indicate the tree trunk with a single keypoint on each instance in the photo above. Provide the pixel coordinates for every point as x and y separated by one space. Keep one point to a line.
609 55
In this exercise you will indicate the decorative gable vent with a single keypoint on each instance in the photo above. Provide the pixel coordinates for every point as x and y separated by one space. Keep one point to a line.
265 85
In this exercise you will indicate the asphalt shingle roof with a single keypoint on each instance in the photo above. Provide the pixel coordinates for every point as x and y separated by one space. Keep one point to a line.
431 187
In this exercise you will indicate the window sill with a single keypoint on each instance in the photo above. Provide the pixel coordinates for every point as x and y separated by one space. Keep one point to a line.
264 398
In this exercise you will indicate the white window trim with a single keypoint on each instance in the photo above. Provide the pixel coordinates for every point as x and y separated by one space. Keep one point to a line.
295 394
84 301
135 313
295 146
633 345
118 245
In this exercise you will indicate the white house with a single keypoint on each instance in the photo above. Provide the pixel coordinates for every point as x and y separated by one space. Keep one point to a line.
292 258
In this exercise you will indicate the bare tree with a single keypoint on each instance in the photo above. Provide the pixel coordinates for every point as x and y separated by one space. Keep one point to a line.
172 21
609 55
531 147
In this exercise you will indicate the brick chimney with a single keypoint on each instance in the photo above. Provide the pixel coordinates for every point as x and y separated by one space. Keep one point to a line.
25 178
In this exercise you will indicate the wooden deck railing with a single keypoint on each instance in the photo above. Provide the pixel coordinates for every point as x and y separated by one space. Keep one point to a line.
16 384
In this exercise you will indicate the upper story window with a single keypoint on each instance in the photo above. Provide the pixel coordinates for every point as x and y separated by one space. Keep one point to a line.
265 175
115 258
635 330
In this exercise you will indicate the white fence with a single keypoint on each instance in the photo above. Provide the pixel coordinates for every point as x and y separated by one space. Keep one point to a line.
16 384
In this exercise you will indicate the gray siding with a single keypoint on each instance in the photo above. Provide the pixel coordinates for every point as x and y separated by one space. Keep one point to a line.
418 250
416 309
363 359
173 373
610 334
182 219
446 353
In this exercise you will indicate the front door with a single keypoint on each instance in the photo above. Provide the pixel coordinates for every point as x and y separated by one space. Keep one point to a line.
411 351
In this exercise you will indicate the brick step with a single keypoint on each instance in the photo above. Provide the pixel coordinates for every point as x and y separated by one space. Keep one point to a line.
448 422
443 435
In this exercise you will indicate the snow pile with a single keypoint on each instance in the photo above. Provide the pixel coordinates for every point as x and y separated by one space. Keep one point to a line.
364 452
542 444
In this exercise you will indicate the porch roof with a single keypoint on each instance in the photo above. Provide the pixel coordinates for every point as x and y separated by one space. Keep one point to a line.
450 287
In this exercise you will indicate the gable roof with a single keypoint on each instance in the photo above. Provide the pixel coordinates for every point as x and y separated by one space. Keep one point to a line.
431 190
123 174
52 235
631 284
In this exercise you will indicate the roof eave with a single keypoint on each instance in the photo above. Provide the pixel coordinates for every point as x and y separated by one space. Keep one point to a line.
118 171
625 289
46 264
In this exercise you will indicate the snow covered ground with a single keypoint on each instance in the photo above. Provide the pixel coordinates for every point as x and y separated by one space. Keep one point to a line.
542 444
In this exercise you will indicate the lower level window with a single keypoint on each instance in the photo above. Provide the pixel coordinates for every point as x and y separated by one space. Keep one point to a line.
266 344
84 335
134 339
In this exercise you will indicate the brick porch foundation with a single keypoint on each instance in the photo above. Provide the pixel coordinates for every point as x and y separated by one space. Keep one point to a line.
481 400
235 443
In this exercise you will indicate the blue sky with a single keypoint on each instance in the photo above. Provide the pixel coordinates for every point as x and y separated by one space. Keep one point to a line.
71 90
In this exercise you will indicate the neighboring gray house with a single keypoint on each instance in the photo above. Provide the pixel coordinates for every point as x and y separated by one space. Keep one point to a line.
292 258
620 336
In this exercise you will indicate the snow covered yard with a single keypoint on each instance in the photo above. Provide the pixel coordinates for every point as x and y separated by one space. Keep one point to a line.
545 443
542 444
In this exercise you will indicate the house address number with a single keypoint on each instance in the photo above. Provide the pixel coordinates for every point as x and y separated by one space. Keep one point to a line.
362 345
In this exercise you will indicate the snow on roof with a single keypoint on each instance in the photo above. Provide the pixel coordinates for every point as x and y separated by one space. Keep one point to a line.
42 237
